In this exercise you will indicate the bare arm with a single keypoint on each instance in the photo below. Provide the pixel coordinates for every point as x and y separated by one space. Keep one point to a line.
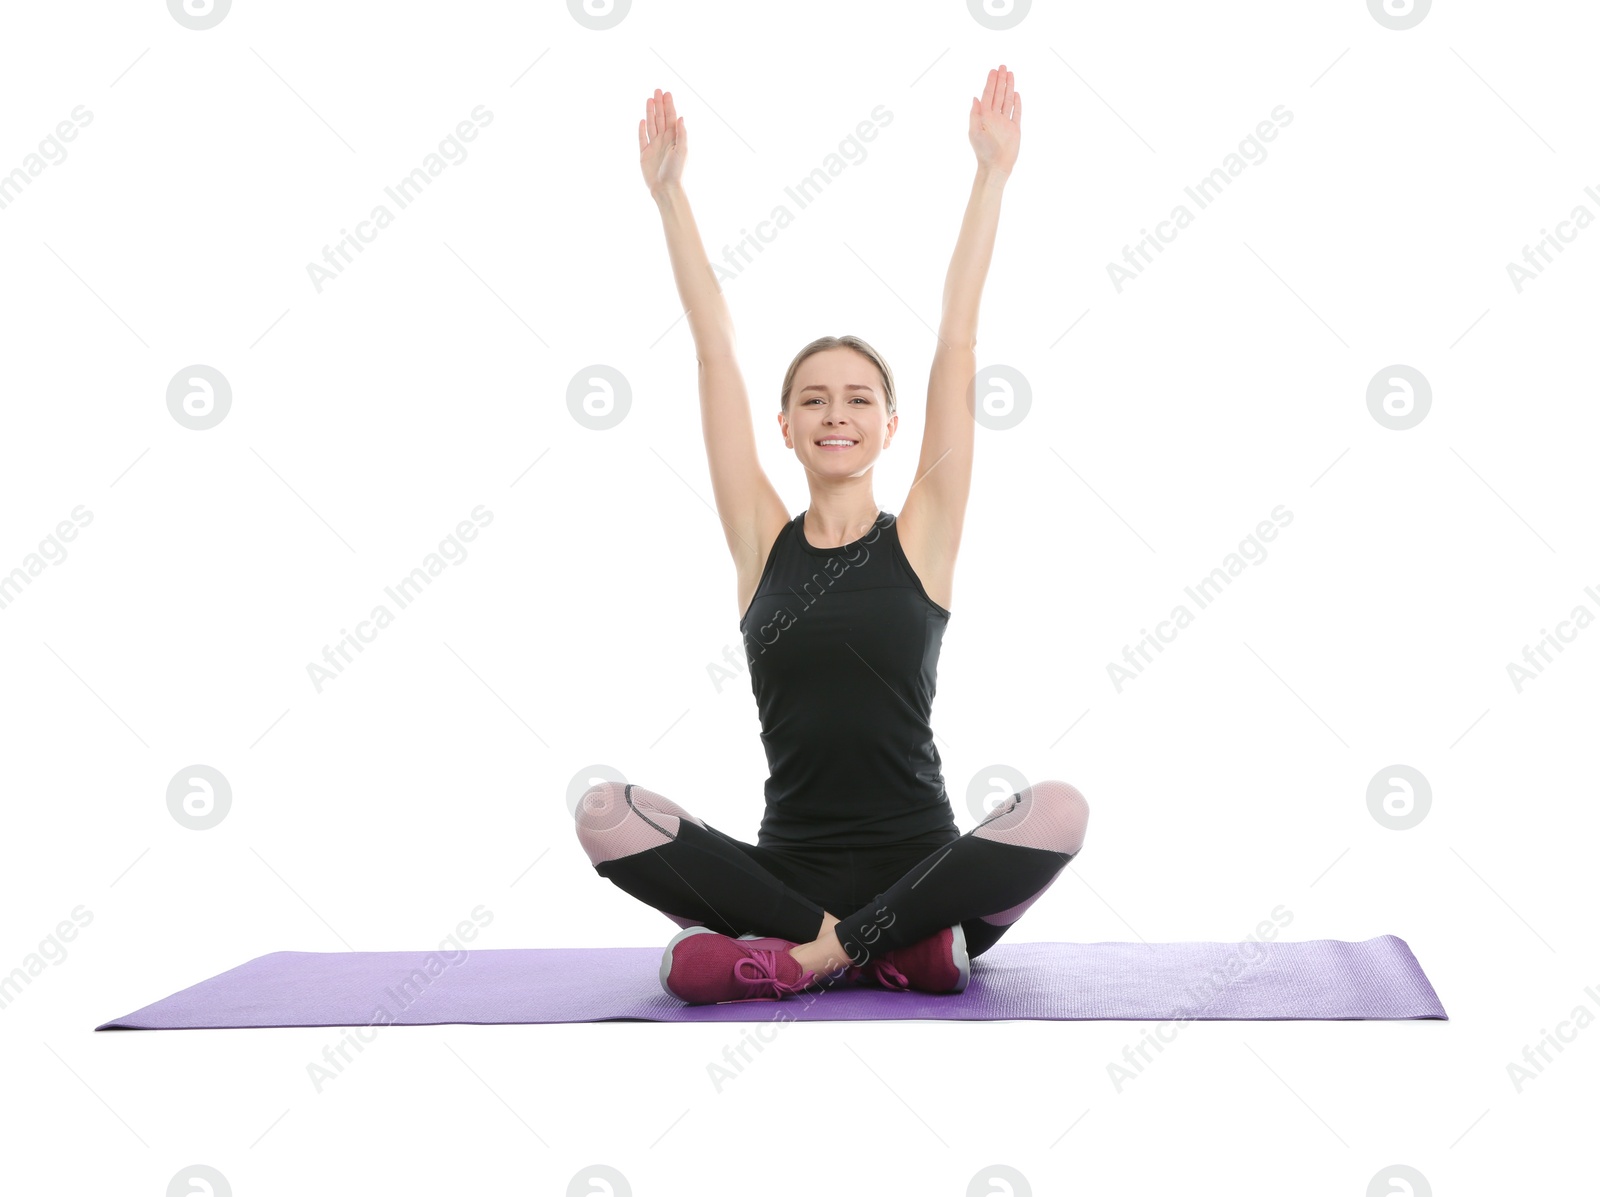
938 500
710 323
747 502
969 264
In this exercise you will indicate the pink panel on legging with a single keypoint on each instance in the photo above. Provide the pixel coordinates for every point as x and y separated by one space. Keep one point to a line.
1012 914
609 826
1051 815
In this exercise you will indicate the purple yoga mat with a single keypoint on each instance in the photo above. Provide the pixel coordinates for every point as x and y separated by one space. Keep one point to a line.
1318 978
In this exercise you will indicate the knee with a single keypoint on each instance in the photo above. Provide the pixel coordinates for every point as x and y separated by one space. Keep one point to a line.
614 819
1064 812
600 819
595 814
1051 815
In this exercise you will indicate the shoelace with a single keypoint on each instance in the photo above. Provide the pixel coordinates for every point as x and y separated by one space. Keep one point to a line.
765 963
888 975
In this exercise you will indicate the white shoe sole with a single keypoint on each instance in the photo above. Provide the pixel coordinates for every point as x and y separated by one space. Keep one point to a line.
958 950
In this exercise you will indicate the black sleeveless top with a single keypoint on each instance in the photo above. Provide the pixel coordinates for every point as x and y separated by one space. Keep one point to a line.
843 648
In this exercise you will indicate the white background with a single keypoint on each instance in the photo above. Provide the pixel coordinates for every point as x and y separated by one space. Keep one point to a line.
432 376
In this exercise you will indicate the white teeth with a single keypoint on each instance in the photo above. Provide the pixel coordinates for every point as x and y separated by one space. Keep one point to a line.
835 442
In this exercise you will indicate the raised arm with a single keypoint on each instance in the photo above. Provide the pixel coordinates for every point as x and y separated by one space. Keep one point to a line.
936 505
747 502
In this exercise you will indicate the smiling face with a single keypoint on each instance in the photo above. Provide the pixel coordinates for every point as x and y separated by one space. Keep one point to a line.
838 396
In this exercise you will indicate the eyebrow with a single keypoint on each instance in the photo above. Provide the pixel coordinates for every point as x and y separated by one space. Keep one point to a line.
817 386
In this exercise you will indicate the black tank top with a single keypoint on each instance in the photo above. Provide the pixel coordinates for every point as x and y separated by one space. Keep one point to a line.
843 648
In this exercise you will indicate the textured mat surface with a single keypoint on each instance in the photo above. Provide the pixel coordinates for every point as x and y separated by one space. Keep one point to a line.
1319 978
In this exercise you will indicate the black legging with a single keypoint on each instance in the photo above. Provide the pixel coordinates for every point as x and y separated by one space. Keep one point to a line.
884 897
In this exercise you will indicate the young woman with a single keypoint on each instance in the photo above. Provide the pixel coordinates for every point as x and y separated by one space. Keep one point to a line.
844 609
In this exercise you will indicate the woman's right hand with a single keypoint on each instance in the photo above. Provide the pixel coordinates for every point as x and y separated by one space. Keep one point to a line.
663 142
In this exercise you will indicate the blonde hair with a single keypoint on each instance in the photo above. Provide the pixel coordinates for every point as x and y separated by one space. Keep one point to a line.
845 342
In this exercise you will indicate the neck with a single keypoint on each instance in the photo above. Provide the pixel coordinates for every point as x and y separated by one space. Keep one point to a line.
834 521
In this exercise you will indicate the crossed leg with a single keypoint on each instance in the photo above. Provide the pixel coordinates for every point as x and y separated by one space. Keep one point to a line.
985 880
654 849
660 853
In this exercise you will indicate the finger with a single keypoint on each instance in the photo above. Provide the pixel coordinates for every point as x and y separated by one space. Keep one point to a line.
1006 82
671 122
1016 113
988 90
683 137
643 143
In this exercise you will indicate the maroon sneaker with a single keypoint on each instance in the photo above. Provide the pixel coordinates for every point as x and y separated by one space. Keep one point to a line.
701 966
938 964
848 976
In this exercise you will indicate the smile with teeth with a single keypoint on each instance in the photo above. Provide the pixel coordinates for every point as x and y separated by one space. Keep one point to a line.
836 442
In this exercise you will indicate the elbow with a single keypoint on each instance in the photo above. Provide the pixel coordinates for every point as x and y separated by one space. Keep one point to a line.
705 358
715 346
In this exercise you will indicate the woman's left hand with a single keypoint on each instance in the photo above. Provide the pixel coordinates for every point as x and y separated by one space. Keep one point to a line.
994 123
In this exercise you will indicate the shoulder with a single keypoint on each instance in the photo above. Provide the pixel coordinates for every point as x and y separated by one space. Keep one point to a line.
932 557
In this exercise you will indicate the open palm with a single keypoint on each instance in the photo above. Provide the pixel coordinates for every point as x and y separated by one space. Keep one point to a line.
663 142
994 124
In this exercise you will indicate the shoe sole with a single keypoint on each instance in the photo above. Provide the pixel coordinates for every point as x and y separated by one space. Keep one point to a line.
666 956
958 952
